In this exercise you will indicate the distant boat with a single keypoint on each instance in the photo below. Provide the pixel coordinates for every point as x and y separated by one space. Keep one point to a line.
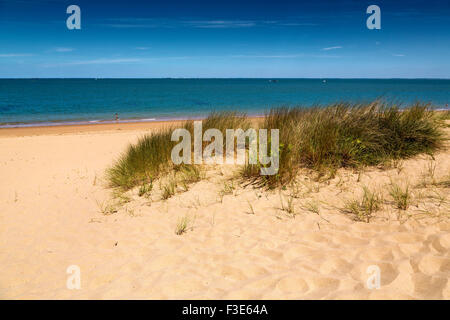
324 81
273 81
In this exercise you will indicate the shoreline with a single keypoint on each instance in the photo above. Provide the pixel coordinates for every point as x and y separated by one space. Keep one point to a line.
57 123
61 129
89 122
85 128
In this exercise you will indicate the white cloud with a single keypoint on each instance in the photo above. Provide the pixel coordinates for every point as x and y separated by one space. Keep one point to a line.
102 61
208 24
331 48
398 55
326 56
64 49
12 55
286 56
215 24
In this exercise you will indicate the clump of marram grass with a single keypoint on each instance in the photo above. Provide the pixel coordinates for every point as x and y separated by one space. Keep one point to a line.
402 196
169 188
189 174
312 206
143 161
107 207
223 120
346 135
228 187
150 157
288 205
428 177
183 225
444 115
145 189
363 208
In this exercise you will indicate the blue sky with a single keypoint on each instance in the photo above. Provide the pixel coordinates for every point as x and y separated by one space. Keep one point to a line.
217 38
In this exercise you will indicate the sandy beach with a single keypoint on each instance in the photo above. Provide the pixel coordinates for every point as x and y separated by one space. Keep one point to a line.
240 242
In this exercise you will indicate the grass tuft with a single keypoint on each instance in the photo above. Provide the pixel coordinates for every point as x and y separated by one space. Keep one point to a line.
444 115
402 196
143 161
107 208
312 206
287 206
145 189
169 188
150 157
182 226
363 208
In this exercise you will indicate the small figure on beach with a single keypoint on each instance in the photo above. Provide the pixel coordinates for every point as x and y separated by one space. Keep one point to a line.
116 116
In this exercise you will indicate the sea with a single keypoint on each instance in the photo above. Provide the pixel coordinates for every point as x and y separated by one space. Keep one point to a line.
48 102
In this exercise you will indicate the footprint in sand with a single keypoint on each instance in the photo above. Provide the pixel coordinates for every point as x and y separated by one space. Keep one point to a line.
431 264
292 284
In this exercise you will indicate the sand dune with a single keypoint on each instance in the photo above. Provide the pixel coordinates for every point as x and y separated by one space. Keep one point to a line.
239 244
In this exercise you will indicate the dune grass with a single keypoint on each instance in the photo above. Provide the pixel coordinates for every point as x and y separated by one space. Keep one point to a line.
444 115
223 120
145 189
150 157
144 161
363 208
182 226
346 135
401 195
338 135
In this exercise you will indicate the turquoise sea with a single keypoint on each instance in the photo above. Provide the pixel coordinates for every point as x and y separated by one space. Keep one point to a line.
29 102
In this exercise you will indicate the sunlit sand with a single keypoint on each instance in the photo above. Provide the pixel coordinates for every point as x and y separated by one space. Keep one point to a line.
233 241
